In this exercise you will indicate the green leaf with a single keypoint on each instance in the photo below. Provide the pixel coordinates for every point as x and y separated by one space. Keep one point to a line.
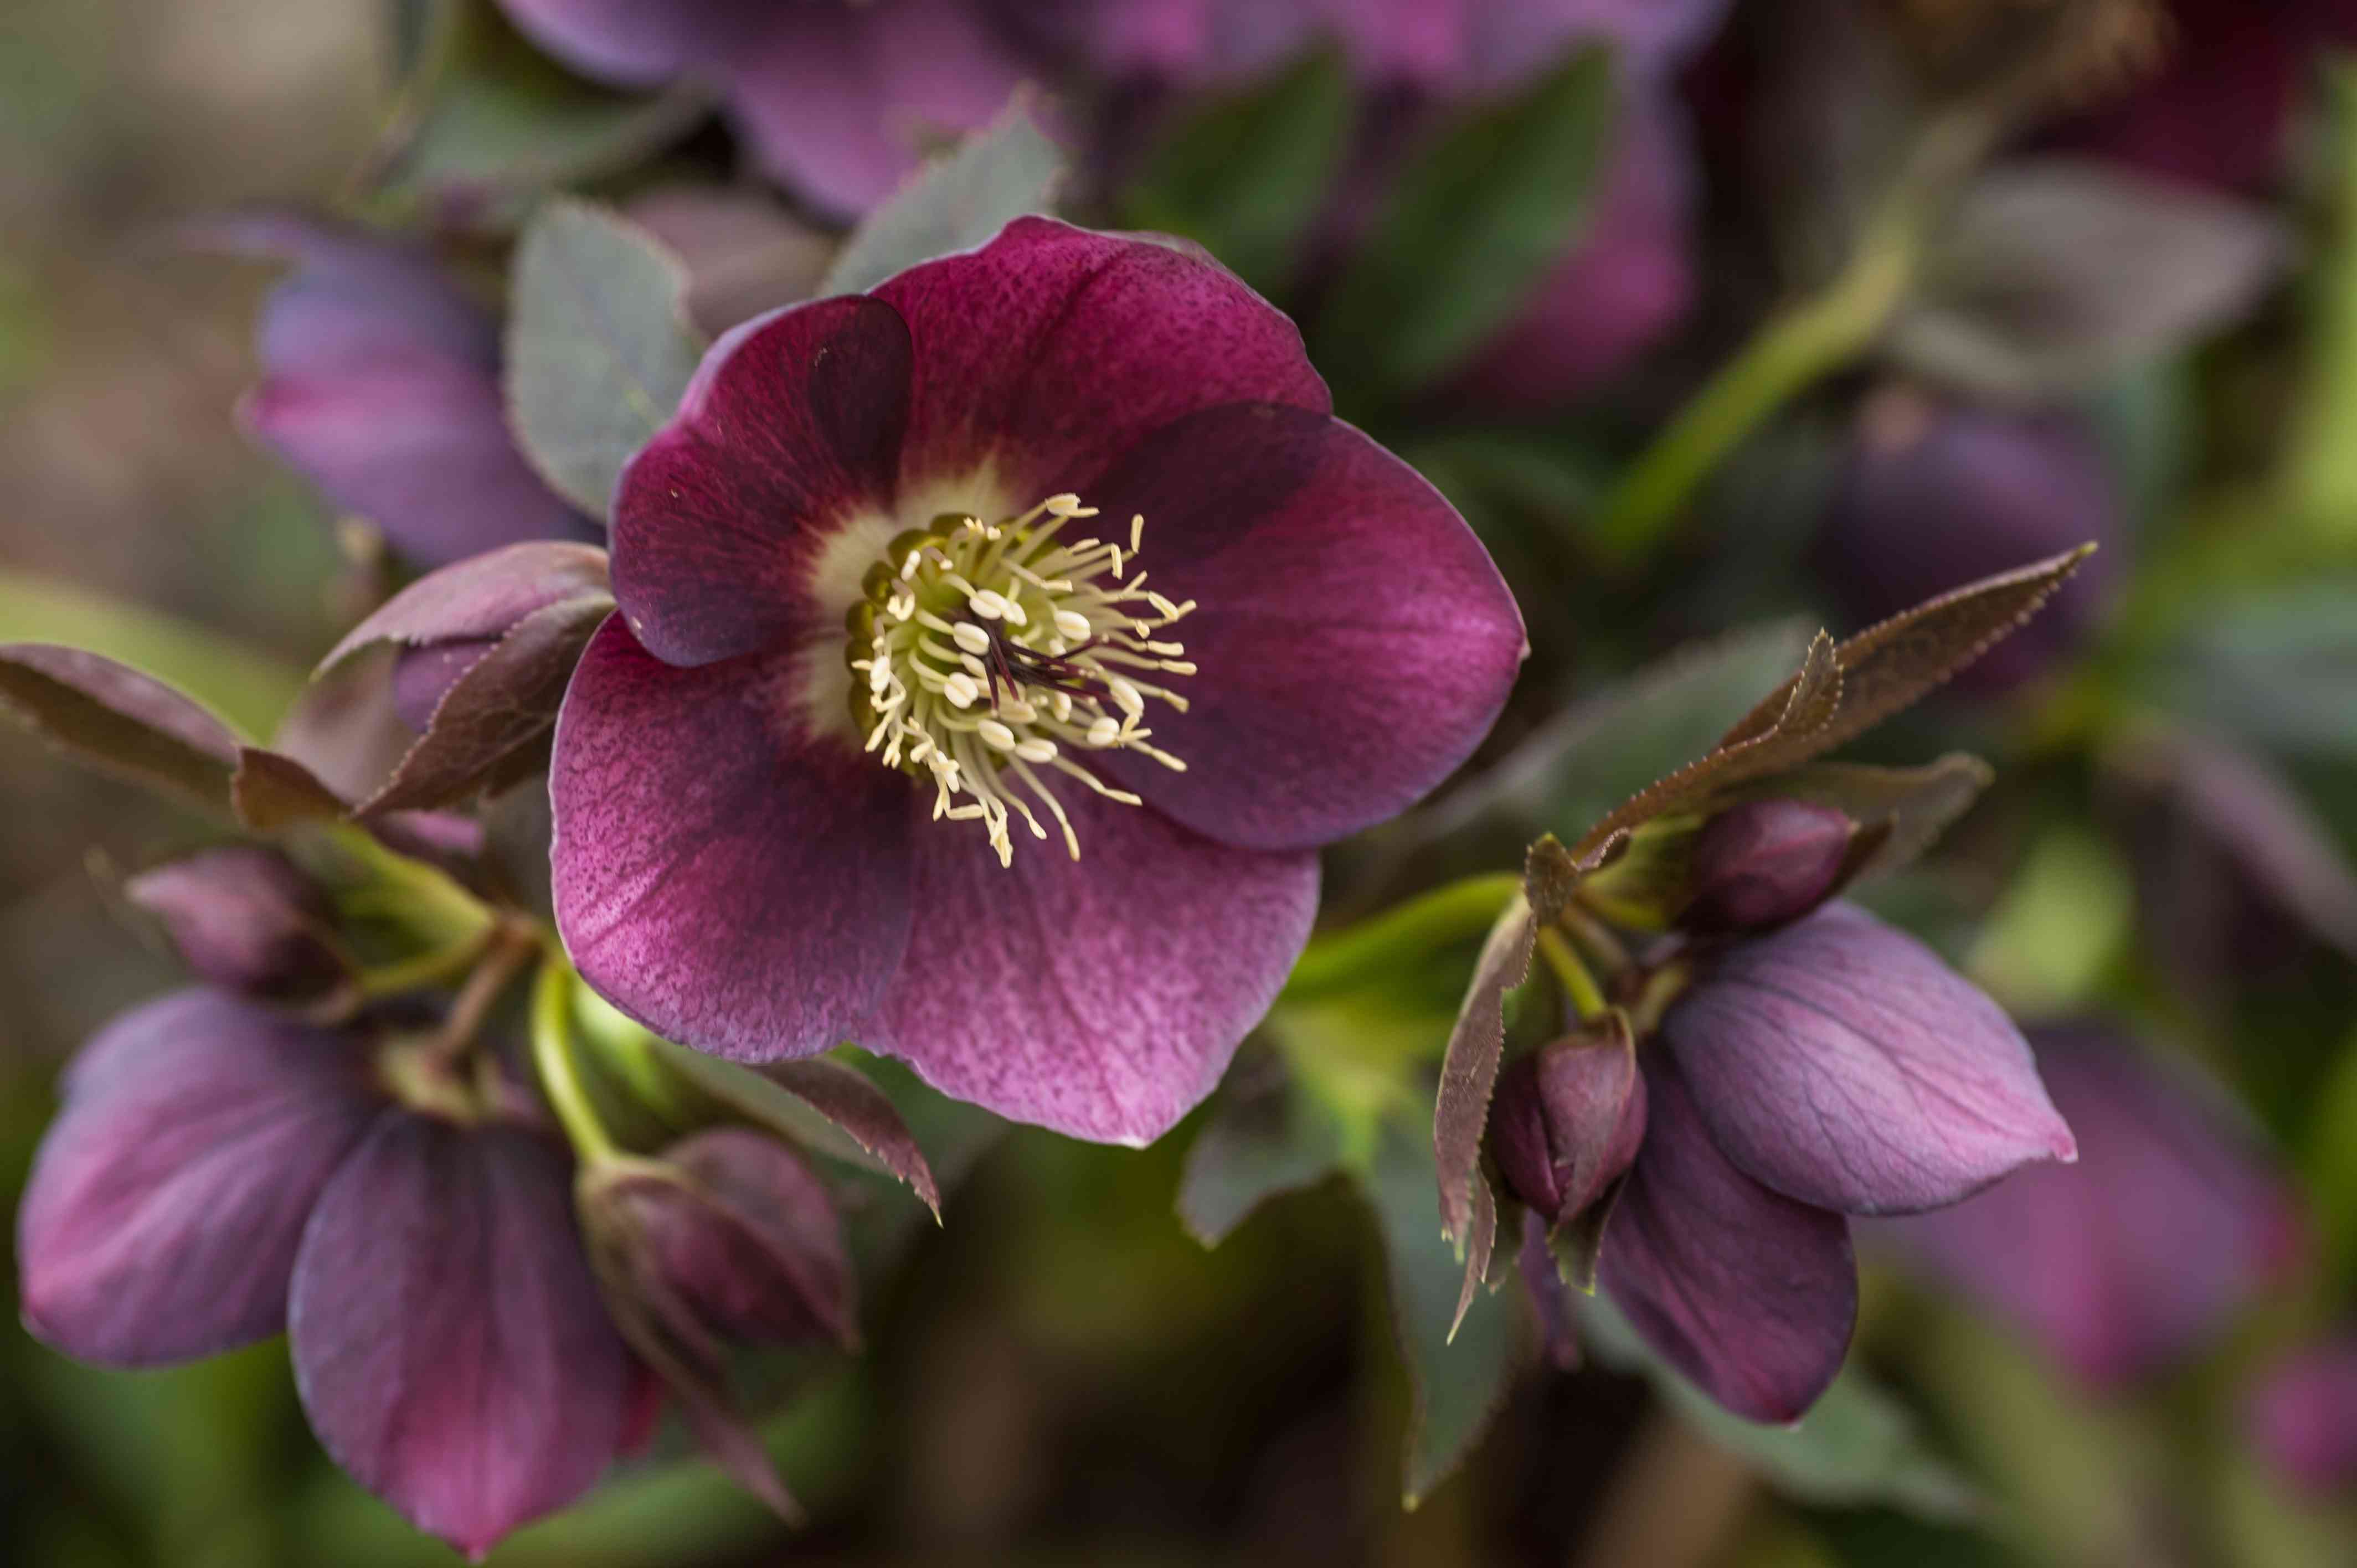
1246 175
1475 224
1459 1383
1000 173
486 122
598 347
1858 1444
2276 669
1263 1139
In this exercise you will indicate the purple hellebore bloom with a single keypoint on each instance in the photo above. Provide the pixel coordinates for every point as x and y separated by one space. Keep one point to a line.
220 1172
2303 1416
837 97
244 918
1935 495
1832 1067
2136 1256
887 567
381 384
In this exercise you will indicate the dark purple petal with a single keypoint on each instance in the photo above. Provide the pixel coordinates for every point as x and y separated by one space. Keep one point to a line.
1745 1292
722 873
840 102
1190 42
1566 1121
1934 496
792 427
244 918
2133 1259
2303 1416
420 447
1052 351
167 1201
1353 641
641 41
449 1344
1843 1064
1764 863
1102 997
354 299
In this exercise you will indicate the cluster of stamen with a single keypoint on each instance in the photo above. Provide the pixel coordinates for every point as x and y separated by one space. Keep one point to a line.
990 656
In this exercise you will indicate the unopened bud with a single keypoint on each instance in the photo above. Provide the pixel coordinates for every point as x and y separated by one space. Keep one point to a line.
244 917
1566 1121
1764 863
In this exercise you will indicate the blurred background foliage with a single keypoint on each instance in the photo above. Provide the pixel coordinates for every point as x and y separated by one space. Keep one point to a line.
1857 405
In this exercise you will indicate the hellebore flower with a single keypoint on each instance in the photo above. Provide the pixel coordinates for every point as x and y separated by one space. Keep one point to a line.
1934 494
220 1172
1567 1123
381 384
892 737
837 97
2136 1257
245 920
2303 1416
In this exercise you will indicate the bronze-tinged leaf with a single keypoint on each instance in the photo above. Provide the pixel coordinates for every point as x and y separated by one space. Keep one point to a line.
112 717
1917 804
1480 1246
1893 665
505 703
483 597
272 791
1468 1073
849 1099
1783 731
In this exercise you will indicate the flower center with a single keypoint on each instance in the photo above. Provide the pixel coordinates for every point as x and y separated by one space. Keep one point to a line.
997 653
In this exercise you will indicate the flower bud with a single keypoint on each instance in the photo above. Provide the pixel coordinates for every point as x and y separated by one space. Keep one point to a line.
244 917
1566 1121
1764 863
728 1238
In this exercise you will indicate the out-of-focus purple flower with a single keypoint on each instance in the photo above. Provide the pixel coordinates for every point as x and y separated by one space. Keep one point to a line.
967 469
837 97
1764 863
380 382
2136 1257
1832 1067
1566 1121
1934 495
2219 112
2303 1416
220 1172
244 918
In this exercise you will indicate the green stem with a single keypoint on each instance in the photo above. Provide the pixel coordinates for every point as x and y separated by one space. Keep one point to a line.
552 1054
426 969
1462 911
419 898
1579 986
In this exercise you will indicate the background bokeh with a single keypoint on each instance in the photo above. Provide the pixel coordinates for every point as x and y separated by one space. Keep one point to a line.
1060 1374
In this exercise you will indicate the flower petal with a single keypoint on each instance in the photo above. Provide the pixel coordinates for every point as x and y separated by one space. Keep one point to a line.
1843 1064
639 41
721 874
167 1201
420 447
2135 1257
841 100
1745 1291
1353 641
449 1344
792 423
1050 351
1101 997
354 298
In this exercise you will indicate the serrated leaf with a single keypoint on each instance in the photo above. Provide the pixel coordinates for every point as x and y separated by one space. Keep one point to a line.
1000 173
1246 175
482 596
111 716
1261 1142
1474 225
863 1113
1461 1378
2056 272
598 347
1468 1072
1856 1446
505 703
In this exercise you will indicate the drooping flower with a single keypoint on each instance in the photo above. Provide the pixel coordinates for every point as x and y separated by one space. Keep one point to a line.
895 737
381 384
244 918
837 99
2138 1256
